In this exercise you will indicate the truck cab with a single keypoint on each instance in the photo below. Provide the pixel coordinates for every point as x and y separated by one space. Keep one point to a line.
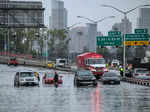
93 61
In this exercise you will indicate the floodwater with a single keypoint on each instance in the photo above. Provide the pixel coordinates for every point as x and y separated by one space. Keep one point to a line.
68 98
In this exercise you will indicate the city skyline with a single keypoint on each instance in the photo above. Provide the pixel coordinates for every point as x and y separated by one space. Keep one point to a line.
92 10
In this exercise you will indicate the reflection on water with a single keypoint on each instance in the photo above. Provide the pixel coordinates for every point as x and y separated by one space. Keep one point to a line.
67 98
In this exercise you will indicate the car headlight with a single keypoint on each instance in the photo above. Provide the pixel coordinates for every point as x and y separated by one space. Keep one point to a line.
79 78
93 70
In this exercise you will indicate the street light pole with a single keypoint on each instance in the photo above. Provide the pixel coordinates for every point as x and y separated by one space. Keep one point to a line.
68 29
125 29
95 24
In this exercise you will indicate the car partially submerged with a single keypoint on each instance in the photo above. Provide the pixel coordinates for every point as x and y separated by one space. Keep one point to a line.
25 78
48 78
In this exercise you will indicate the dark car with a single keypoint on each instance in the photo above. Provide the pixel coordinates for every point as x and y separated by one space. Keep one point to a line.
84 77
110 78
25 78
12 61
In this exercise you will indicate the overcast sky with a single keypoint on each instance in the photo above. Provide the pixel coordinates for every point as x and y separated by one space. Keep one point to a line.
92 10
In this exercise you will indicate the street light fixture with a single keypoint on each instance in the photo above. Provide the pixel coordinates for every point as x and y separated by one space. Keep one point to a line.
68 29
97 20
95 23
73 25
125 18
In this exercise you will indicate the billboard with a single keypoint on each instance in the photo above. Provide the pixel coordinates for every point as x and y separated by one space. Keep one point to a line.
21 14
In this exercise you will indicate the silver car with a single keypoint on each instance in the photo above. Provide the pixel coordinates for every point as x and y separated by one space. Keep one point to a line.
25 78
141 73
110 78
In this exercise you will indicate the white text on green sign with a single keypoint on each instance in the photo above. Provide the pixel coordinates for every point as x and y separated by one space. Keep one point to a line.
109 41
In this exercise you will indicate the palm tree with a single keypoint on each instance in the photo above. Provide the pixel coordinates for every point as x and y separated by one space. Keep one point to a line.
58 43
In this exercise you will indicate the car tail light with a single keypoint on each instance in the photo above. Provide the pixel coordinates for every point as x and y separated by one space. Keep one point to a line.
148 74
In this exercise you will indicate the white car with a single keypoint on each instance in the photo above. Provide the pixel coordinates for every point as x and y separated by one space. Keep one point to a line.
141 73
25 78
115 63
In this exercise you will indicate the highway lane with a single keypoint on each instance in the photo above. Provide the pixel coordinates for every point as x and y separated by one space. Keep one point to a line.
67 98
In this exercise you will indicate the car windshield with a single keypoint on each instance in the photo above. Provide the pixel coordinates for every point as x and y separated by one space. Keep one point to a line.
12 58
50 75
85 72
26 74
110 74
62 61
96 61
142 71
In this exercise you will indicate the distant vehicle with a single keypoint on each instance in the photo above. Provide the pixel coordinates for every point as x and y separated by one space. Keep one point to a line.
51 64
61 62
110 78
48 78
12 61
93 61
141 73
84 77
25 78
115 63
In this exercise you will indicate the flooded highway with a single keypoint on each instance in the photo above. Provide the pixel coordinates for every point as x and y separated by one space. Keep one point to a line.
68 98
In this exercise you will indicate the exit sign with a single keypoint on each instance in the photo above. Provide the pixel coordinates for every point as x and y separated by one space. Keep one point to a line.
141 30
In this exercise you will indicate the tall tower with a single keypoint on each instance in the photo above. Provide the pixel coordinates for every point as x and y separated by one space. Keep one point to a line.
121 26
58 19
143 20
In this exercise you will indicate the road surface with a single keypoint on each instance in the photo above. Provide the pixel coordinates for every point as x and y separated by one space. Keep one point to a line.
67 98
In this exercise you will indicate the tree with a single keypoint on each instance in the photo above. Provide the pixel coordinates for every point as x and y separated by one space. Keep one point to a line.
58 43
104 51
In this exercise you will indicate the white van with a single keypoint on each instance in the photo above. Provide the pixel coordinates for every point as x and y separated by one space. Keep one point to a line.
115 63
61 62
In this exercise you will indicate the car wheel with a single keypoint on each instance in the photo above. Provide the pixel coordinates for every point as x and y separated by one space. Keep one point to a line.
78 84
14 83
74 82
118 82
104 82
18 84
94 84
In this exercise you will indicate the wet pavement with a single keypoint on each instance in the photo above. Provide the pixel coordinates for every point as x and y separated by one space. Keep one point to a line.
67 98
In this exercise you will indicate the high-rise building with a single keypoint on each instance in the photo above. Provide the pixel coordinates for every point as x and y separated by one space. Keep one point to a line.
124 27
79 40
143 20
58 18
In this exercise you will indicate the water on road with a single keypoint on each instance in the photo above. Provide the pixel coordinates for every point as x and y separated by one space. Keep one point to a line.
68 98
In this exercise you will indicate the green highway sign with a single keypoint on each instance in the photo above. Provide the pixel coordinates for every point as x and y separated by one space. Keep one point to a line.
112 33
139 31
109 40
136 37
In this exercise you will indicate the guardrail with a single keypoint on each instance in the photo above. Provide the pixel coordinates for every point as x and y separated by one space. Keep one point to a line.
35 63
137 81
